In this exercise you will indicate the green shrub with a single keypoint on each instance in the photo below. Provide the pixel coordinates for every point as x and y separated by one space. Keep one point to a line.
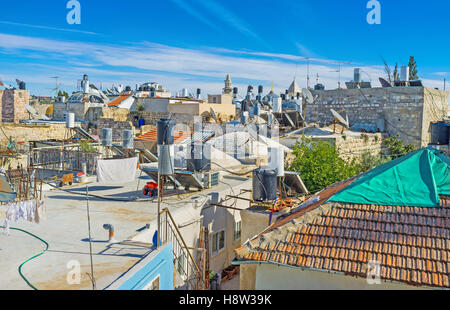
319 164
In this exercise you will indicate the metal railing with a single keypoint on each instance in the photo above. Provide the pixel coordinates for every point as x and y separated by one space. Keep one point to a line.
184 262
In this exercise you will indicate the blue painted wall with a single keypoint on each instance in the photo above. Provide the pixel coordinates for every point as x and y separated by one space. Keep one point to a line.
161 264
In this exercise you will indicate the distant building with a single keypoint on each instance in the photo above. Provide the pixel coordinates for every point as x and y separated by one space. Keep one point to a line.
81 101
404 111
293 90
228 89
12 105
152 90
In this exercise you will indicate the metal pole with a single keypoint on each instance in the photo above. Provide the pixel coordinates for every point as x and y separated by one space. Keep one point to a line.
159 211
90 240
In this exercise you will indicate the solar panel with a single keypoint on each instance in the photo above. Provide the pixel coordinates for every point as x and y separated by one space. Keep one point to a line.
183 178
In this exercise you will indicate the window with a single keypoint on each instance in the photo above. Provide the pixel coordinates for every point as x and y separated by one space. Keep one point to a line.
218 242
214 99
154 285
237 231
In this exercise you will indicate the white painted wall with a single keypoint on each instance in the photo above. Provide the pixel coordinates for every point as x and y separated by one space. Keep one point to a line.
273 277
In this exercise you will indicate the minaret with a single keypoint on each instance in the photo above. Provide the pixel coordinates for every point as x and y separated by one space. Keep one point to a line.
228 89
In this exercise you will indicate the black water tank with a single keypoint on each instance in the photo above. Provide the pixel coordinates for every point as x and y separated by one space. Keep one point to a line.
440 133
258 186
244 105
264 184
270 184
200 157
165 131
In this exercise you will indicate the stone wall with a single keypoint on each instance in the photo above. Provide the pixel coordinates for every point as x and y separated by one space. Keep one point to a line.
12 104
403 111
355 146
151 118
79 109
117 128
26 133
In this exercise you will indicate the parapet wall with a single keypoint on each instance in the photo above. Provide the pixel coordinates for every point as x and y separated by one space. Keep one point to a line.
25 133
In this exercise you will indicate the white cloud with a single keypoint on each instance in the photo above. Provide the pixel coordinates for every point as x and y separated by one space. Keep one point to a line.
174 67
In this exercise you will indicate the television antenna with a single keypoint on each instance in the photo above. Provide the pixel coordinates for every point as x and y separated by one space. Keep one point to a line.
56 89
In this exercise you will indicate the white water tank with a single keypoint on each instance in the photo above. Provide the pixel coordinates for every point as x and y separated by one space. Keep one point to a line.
166 159
276 160
70 120
107 136
276 104
404 73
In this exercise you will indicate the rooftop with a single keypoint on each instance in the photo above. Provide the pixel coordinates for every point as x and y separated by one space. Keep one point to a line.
66 231
411 243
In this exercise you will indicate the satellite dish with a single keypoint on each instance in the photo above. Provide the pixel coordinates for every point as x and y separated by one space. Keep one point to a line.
32 111
307 94
384 83
339 118
213 115
21 84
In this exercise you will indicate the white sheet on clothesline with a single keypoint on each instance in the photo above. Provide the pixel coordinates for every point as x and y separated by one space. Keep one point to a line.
117 171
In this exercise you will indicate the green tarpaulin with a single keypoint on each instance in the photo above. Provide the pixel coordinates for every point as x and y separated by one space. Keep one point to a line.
416 179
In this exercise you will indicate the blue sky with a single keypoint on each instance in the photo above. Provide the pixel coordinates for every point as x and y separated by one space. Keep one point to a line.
195 43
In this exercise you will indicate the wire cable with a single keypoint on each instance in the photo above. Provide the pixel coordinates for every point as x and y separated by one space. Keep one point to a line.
31 258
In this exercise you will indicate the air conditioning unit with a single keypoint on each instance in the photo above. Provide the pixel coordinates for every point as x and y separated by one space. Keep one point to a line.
210 179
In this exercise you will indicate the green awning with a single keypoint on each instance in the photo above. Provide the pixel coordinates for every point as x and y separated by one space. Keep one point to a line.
416 179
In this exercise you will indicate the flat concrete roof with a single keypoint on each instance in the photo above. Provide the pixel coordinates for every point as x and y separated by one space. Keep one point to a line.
66 231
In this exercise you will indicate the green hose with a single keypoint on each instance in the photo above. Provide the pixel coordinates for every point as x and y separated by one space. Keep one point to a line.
21 265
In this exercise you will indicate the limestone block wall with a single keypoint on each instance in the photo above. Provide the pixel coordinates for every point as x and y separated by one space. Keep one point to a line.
435 108
26 133
117 128
13 105
354 147
79 109
405 111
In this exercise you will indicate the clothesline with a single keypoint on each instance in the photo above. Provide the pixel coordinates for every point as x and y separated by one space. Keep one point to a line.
30 210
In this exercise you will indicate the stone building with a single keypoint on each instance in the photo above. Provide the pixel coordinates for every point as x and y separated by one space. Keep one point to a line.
12 105
404 111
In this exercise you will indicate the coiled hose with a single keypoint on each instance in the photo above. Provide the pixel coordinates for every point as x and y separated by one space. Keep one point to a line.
31 258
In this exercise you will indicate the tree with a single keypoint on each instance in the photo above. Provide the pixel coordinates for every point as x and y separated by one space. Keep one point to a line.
396 148
319 164
396 75
63 94
413 74
387 69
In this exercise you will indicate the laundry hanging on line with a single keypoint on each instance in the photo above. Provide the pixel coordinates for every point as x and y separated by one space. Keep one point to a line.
117 171
29 210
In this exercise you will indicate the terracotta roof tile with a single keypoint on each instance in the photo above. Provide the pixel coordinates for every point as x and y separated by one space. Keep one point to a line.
151 136
116 102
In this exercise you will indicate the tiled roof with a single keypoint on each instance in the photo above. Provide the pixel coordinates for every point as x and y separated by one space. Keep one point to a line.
412 244
179 136
116 102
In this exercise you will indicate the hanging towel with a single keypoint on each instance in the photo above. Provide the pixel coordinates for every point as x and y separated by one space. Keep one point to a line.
40 212
30 210
117 171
